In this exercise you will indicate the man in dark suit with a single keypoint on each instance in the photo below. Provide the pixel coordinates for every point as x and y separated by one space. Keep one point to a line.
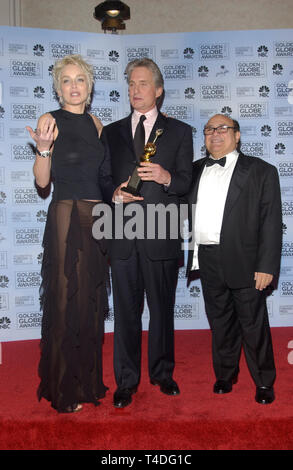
235 216
147 263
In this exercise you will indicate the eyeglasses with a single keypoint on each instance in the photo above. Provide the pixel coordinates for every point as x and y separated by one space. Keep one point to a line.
220 130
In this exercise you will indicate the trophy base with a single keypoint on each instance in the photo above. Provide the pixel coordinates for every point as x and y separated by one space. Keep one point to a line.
134 184
131 190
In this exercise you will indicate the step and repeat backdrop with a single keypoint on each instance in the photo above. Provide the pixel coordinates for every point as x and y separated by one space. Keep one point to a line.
247 75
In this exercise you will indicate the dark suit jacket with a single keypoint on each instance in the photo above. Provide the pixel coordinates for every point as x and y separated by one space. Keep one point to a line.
251 234
175 154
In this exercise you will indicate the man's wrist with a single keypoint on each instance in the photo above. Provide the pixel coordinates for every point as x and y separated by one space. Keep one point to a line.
168 181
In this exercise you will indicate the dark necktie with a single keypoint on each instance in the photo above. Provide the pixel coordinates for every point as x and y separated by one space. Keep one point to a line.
139 138
220 161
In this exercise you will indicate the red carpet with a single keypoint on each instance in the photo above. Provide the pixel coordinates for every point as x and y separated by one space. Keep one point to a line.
196 419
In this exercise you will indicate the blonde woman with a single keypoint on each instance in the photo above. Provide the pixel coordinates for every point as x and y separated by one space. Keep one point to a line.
69 154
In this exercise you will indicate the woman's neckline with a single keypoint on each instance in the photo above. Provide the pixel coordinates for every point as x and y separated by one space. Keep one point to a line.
70 113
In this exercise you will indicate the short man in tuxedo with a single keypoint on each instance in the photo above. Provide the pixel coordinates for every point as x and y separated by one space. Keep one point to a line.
235 215
146 264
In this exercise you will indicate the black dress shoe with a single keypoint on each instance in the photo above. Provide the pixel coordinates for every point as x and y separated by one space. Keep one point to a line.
169 387
264 395
123 397
223 386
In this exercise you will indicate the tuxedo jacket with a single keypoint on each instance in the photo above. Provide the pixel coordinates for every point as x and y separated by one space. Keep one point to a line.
175 154
251 233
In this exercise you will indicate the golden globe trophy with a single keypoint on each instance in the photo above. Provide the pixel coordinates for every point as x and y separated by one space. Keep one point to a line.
135 182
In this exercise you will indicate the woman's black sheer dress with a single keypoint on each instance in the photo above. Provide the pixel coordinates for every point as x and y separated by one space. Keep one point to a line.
74 269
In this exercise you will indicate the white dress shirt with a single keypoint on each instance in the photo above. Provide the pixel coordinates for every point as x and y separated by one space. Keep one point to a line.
211 198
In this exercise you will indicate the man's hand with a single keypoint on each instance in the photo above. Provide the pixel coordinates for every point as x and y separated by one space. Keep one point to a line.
154 172
122 196
262 280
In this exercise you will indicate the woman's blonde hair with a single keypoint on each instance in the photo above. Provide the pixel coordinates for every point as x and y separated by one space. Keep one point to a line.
74 59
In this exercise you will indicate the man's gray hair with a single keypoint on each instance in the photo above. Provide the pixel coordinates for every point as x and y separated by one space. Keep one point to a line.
149 64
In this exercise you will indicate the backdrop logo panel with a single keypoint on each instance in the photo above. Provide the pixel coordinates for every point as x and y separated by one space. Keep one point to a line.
248 77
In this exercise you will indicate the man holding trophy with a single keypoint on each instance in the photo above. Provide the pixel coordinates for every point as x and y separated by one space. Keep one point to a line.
154 154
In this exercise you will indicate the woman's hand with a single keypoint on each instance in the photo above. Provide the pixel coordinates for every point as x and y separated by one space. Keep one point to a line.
44 134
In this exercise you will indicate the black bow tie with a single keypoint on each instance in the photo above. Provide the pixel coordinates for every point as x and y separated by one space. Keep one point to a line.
220 161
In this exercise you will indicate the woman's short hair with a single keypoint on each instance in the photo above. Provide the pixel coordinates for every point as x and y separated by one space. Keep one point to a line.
149 64
74 59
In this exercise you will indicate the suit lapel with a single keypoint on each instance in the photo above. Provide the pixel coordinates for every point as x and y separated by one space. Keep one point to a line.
126 132
161 123
196 179
237 182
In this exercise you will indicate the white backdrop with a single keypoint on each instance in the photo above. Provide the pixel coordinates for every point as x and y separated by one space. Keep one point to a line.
247 75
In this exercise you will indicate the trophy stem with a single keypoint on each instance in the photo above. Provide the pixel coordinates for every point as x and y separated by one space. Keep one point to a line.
135 182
